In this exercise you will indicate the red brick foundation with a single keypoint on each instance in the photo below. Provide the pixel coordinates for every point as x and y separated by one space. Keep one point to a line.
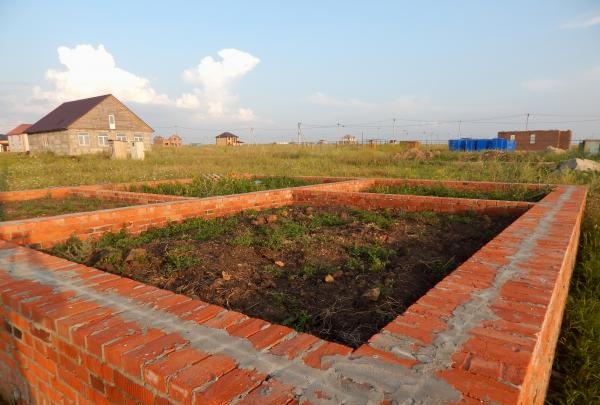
485 334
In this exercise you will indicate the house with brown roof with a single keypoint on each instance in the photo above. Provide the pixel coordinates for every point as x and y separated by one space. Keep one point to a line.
88 126
228 139
173 141
17 138
348 140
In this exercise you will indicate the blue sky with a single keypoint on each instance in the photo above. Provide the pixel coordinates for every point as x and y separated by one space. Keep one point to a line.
233 65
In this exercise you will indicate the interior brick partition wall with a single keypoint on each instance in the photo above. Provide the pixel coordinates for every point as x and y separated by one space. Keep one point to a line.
485 334
46 232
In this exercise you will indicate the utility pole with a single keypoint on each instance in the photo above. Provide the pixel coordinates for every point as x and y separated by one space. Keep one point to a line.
394 128
459 123
338 130
527 122
299 132
252 135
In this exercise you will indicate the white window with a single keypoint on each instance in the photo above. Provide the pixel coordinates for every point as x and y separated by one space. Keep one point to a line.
111 122
84 139
532 139
121 137
103 139
138 138
512 137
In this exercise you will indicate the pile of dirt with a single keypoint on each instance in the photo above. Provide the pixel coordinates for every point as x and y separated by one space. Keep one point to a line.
417 154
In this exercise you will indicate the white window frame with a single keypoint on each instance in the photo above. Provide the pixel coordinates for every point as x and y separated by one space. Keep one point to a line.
112 124
122 137
532 139
83 138
513 137
138 138
103 139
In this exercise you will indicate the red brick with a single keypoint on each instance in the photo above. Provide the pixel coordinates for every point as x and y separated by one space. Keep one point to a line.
132 361
135 390
157 373
182 385
225 319
318 358
294 346
480 388
269 336
114 351
368 351
229 387
270 392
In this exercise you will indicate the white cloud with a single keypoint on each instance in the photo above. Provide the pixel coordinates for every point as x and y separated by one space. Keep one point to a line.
587 22
215 80
93 71
542 85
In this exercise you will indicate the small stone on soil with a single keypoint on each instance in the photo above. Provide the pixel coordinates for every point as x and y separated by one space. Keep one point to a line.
329 278
271 218
373 294
280 263
226 276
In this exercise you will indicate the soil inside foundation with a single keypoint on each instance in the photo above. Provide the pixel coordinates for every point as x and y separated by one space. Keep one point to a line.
47 207
338 273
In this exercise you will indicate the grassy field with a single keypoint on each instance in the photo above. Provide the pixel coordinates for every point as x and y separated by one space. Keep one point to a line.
576 377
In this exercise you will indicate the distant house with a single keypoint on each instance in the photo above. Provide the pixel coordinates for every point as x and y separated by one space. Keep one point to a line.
17 138
348 140
538 140
87 126
3 143
228 139
172 141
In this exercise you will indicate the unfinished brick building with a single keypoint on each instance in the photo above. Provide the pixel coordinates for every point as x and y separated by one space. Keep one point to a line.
538 140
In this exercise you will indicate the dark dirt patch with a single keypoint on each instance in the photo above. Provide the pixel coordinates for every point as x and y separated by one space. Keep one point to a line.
47 207
338 273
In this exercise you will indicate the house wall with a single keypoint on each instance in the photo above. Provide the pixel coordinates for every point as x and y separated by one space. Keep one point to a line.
225 141
543 139
18 143
57 142
95 147
95 122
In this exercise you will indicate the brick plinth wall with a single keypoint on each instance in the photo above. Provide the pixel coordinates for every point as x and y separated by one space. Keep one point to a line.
46 232
485 334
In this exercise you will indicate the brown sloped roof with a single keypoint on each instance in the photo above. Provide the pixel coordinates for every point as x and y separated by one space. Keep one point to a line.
227 135
19 129
65 114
